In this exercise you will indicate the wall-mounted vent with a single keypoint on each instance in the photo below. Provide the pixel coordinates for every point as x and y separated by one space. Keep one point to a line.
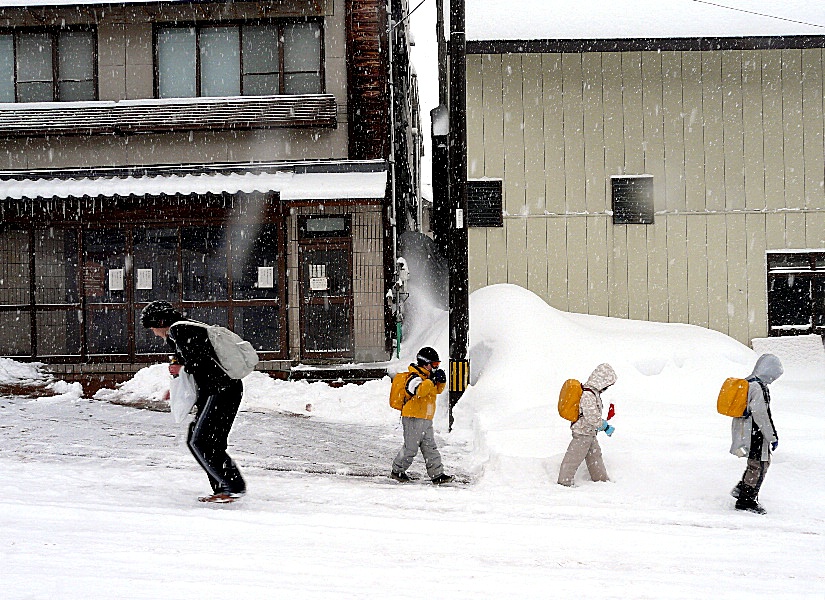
484 203
632 199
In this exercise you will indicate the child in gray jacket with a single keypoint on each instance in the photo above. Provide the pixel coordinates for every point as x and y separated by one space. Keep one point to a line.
754 434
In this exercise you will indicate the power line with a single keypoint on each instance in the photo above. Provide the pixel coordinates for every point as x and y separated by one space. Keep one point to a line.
751 12
408 15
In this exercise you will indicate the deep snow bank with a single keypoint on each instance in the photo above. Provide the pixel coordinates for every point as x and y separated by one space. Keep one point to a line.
522 350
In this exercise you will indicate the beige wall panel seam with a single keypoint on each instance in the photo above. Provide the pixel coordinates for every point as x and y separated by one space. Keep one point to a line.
517 252
497 251
672 107
513 122
555 183
793 127
475 118
737 276
752 125
477 257
773 136
558 295
493 100
653 125
533 129
613 105
637 273
632 102
795 230
617 272
775 231
677 268
813 95
577 274
598 289
594 143
757 276
714 131
573 132
694 134
657 277
656 233
697 246
733 129
537 257
815 230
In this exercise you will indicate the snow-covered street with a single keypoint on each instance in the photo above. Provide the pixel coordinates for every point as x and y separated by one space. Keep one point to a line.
101 498
101 503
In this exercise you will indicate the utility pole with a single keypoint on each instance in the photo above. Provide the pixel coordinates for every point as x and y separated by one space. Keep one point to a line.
440 119
459 275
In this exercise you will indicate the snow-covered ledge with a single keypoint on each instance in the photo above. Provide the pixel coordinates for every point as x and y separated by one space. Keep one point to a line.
167 114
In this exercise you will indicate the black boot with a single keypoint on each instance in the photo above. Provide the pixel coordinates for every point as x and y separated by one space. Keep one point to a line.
747 500
737 491
400 476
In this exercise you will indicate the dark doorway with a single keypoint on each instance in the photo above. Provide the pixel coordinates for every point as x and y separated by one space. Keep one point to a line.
325 259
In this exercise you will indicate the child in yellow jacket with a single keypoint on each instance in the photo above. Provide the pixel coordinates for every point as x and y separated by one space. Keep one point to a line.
424 384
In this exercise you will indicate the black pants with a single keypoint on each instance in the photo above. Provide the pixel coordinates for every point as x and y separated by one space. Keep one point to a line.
208 434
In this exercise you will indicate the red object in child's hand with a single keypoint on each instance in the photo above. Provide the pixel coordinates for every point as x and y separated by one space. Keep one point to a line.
610 412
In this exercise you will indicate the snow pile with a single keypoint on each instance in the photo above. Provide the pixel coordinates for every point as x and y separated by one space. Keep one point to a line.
16 373
802 356
32 379
522 350
149 384
365 403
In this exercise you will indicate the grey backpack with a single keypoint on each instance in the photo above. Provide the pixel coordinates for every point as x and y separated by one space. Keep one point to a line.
236 356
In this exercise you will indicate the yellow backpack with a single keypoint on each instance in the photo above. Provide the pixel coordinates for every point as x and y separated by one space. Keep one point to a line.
733 397
569 398
398 390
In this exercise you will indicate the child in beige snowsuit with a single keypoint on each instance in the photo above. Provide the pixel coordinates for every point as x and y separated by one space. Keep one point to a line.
584 446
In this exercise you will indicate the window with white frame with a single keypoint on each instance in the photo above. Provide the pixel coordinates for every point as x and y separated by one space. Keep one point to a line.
255 59
48 66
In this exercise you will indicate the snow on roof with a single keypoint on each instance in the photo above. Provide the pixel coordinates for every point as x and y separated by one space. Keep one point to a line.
609 19
31 3
291 186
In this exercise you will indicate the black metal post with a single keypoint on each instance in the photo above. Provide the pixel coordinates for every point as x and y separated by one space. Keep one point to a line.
440 119
459 276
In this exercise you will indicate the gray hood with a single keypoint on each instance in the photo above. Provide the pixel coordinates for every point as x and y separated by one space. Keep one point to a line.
603 377
768 368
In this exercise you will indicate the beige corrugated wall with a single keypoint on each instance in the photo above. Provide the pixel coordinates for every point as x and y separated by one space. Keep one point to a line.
734 140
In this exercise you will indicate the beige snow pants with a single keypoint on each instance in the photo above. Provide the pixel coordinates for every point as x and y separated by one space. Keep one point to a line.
582 448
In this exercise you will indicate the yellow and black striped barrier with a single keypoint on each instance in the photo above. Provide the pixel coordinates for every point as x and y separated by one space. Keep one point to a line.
459 375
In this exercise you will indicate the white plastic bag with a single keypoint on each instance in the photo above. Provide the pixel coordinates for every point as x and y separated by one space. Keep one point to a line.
183 391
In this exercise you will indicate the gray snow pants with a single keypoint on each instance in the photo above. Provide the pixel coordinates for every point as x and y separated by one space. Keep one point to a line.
418 433
582 448
755 472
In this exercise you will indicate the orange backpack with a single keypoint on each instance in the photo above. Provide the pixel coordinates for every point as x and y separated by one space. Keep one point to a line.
569 399
733 397
398 391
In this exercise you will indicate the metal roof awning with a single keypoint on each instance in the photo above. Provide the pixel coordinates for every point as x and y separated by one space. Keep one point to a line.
291 185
